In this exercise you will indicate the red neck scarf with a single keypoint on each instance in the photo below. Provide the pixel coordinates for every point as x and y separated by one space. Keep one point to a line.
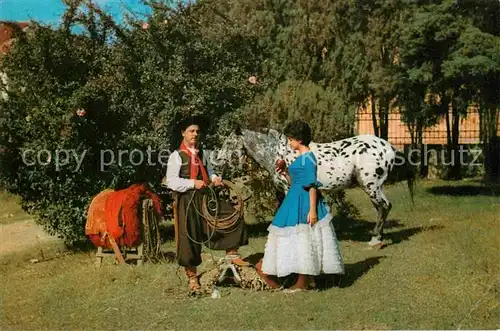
196 164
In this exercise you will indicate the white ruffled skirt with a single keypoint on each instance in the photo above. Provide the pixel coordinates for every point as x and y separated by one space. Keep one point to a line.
303 249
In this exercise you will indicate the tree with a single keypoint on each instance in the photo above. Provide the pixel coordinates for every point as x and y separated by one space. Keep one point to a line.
109 96
439 56
477 62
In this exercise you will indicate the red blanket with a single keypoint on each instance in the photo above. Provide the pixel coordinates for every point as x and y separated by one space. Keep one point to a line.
118 213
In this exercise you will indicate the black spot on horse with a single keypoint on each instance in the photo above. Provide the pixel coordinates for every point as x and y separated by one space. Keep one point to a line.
381 154
374 154
386 163
364 150
384 150
343 154
382 142
345 144
335 150
319 163
369 184
366 174
374 146
354 152
328 152
379 171
367 145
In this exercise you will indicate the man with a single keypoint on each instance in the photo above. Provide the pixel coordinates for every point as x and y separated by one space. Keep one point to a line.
188 178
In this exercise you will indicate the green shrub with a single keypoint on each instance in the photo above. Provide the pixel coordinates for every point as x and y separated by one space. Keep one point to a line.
111 89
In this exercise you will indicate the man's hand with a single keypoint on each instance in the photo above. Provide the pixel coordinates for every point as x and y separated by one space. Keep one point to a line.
199 184
217 181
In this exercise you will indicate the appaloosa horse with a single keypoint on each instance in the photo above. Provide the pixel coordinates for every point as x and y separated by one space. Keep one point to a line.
365 159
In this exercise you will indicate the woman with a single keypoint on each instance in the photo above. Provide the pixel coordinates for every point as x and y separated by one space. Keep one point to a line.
301 237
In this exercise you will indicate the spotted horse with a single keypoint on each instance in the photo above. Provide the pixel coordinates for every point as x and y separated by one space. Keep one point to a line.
366 160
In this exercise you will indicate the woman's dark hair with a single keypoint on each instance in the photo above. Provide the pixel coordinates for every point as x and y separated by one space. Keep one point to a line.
299 130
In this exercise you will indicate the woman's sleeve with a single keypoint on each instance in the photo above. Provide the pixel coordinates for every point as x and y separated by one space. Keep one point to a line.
310 177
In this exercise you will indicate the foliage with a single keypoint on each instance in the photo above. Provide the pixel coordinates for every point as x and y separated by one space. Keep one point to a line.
449 59
330 119
86 96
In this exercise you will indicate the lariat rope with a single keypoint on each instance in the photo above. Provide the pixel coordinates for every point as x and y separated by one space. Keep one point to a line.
210 211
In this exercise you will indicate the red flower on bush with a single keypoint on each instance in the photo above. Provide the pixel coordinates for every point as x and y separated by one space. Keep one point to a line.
81 112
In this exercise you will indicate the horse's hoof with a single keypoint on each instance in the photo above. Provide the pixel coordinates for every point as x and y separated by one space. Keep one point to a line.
378 246
376 243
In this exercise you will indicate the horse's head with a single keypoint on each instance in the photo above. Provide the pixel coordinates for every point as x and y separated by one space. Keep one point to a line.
265 146
231 155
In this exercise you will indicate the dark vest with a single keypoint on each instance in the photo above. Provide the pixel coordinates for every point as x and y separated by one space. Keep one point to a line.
185 171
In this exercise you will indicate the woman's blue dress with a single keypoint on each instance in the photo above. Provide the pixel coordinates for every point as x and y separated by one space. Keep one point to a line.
296 205
293 246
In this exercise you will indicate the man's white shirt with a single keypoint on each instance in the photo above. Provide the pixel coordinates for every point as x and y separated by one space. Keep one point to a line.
174 182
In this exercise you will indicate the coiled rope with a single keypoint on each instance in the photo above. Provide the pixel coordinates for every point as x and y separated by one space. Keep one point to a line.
210 211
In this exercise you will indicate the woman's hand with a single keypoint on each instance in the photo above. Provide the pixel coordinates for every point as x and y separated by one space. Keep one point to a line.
312 217
280 167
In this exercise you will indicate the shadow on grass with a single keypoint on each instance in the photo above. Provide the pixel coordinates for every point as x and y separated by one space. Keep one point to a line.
399 236
361 230
466 190
353 272
349 228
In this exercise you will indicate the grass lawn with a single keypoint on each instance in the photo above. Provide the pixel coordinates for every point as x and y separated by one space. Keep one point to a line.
441 271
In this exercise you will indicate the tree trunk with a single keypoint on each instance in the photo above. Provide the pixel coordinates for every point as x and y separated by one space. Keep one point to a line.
491 143
384 118
456 166
424 169
374 116
452 133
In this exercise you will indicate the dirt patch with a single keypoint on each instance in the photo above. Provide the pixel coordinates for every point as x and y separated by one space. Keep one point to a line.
18 236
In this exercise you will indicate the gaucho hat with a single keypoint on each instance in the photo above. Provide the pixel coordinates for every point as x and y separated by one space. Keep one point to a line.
183 122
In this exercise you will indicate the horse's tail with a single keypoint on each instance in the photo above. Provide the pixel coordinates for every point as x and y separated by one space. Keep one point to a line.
402 169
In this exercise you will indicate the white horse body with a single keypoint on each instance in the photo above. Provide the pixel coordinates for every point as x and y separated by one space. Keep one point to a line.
365 159
342 162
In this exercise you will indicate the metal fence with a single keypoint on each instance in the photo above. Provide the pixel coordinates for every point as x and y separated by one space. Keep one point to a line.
399 134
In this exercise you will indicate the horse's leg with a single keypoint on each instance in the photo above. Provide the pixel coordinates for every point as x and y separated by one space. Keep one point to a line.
383 207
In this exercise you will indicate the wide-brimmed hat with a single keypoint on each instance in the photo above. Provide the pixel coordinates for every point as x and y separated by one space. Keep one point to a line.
184 122
199 120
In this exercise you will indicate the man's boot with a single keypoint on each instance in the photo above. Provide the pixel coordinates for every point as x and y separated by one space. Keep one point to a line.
235 257
193 283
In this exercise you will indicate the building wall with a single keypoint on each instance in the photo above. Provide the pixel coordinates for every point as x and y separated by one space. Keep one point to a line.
399 135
